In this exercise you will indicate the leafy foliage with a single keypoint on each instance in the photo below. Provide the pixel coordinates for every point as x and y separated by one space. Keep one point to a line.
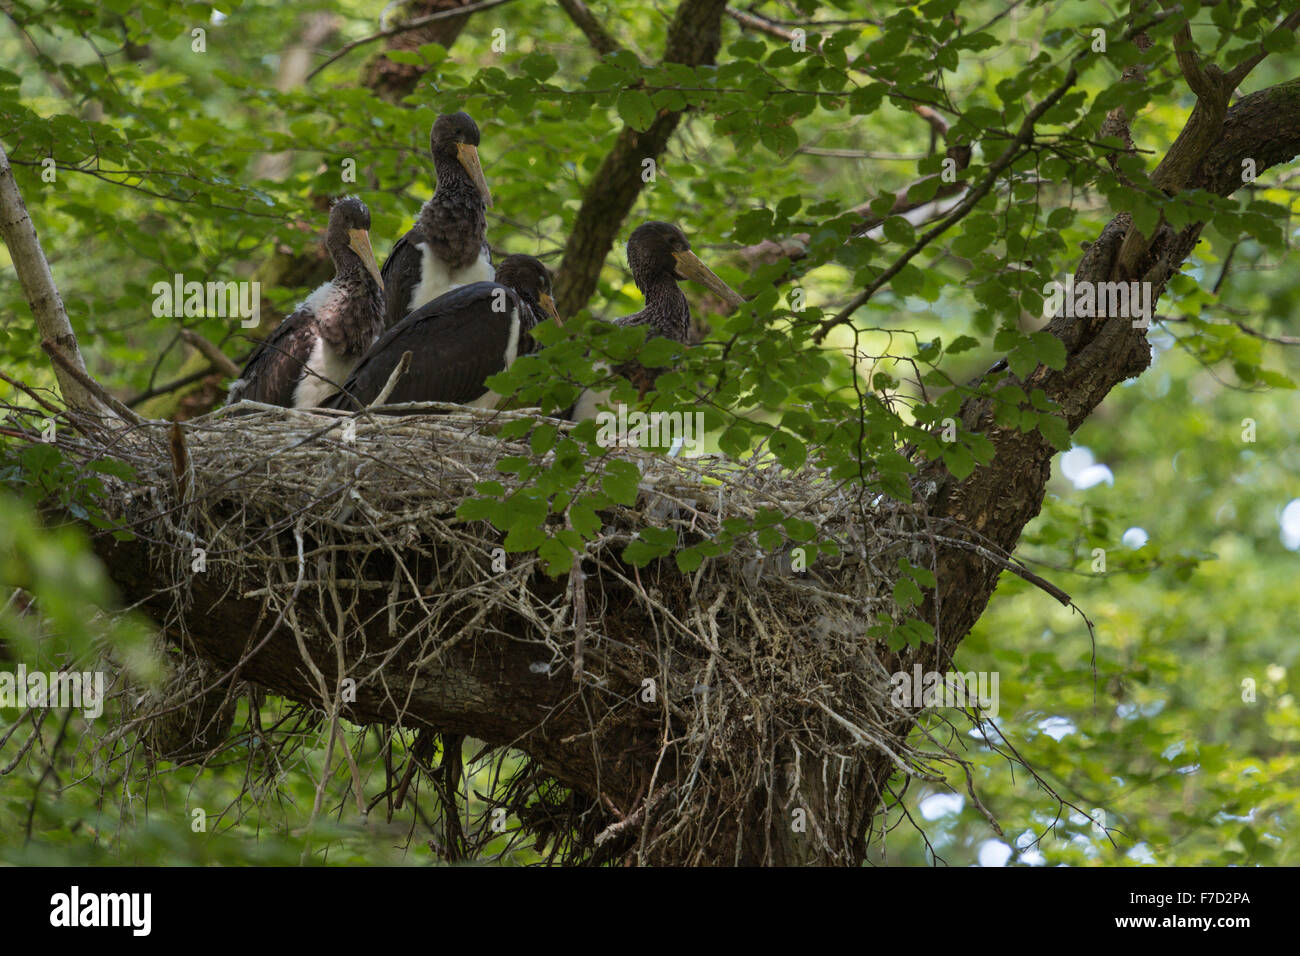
158 152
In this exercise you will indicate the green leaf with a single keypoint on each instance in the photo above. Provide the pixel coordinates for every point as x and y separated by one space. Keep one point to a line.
689 560
481 509
1055 431
556 557
649 544
621 481
524 538
540 66
636 110
1049 350
543 439
789 451
958 461
906 593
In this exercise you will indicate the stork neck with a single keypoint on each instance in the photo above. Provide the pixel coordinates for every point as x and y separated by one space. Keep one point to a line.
454 184
350 273
666 307
353 314
454 221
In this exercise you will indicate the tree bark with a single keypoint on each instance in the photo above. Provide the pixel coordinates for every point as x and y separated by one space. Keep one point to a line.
38 286
694 37
395 81
488 689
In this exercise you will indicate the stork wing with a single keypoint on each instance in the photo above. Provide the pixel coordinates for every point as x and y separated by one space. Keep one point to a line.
273 370
456 343
401 275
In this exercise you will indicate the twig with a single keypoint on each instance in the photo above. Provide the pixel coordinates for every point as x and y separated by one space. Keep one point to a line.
590 25
88 384
1012 566
171 386
407 27
755 22
221 362
51 408
402 365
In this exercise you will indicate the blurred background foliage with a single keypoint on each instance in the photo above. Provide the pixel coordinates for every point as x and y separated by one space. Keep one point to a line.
1177 720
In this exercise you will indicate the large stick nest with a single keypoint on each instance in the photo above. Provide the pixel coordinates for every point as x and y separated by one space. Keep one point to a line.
756 683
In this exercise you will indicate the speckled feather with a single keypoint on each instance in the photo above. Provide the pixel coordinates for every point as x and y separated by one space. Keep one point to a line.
332 328
452 225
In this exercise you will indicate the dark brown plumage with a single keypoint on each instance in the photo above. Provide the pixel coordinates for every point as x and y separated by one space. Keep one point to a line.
314 349
447 246
659 255
457 341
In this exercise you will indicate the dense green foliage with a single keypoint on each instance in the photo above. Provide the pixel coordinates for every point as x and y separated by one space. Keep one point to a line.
156 151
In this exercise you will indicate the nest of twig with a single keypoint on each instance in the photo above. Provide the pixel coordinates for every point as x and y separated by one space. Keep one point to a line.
768 698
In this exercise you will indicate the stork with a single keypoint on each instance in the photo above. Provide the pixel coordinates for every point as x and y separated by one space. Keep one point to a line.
659 255
458 341
446 248
313 351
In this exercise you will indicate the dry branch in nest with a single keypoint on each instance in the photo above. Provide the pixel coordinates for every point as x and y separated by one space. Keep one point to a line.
676 705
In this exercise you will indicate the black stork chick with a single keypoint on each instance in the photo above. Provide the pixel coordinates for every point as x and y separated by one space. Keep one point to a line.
446 248
313 351
659 255
457 341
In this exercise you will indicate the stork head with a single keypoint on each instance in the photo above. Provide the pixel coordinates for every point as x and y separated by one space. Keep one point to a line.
455 138
349 234
529 277
660 248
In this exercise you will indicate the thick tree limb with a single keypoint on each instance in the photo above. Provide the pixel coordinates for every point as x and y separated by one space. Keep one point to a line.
38 286
590 25
694 37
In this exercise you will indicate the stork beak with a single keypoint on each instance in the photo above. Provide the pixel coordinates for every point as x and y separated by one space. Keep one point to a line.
468 157
548 306
359 242
690 267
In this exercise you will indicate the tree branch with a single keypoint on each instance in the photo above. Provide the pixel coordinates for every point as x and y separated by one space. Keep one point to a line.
591 27
38 286
1242 69
220 361
753 21
694 37
63 362
407 28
